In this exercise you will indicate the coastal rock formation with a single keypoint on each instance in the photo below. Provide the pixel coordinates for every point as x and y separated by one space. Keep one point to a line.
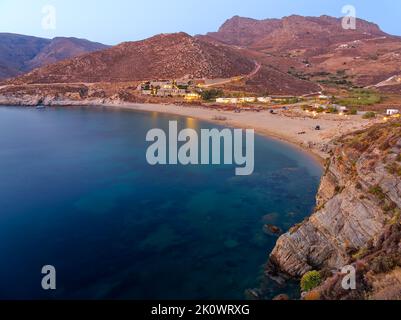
358 211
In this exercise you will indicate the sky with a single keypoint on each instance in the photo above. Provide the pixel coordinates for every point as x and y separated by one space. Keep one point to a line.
115 21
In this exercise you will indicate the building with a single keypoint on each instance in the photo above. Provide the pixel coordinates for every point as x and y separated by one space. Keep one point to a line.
340 108
391 112
264 99
193 96
227 100
164 88
170 92
246 99
283 99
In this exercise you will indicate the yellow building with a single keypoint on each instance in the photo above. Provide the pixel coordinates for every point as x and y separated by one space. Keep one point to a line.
192 97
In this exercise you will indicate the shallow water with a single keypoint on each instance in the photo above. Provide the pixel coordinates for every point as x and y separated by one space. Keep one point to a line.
76 192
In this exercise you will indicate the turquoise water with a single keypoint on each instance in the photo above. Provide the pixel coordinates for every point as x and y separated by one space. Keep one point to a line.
76 192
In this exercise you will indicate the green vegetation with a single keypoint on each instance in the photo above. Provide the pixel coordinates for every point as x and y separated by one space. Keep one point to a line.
340 78
360 254
339 189
389 206
291 101
310 281
385 263
369 115
332 110
212 94
360 97
378 192
396 218
353 111
298 74
394 168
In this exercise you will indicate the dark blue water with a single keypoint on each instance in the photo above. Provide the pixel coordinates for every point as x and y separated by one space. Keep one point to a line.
76 192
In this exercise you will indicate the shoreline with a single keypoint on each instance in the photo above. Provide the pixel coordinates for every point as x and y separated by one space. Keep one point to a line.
144 107
281 127
296 129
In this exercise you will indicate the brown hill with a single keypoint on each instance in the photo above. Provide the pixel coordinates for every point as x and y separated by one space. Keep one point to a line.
293 32
20 54
63 48
163 56
16 50
312 45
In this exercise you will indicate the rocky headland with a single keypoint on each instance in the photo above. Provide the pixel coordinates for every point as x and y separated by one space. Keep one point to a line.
356 221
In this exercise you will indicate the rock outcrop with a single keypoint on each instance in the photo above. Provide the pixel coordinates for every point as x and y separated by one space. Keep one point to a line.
358 208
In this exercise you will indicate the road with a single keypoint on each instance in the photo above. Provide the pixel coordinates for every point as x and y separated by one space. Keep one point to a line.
258 66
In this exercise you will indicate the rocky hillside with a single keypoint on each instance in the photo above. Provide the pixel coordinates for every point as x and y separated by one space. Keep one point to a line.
293 32
20 54
165 56
63 48
357 218
310 46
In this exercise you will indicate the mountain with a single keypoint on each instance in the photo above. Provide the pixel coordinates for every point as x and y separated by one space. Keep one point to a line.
307 46
293 32
163 56
297 55
20 54
63 48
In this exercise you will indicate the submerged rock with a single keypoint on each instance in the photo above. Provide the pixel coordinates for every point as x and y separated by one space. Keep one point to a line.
271 230
281 297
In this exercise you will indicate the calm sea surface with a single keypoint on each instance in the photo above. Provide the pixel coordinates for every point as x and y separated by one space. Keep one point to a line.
77 193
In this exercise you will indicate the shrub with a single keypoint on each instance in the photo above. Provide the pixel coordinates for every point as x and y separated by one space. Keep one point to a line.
332 110
394 169
369 115
378 192
310 281
383 264
208 95
360 254
353 111
339 189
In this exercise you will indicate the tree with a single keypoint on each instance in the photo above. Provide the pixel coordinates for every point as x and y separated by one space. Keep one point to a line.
212 94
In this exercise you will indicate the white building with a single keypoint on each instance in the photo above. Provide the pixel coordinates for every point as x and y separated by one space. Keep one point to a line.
247 99
264 99
227 100
391 112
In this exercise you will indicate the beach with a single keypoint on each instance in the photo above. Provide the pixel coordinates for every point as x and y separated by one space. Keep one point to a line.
295 127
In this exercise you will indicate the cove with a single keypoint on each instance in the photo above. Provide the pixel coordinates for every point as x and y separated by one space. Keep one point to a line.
77 193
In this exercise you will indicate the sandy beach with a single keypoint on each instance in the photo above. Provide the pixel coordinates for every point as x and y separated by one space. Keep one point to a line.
295 127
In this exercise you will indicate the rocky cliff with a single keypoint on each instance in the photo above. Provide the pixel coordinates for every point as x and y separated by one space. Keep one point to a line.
357 218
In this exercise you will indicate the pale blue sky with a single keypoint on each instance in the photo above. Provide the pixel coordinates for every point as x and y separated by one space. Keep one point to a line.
115 21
